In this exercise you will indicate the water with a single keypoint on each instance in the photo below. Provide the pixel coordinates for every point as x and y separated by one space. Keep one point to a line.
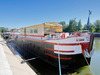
95 63
94 68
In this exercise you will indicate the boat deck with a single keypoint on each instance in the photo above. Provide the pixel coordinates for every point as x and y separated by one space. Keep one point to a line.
10 62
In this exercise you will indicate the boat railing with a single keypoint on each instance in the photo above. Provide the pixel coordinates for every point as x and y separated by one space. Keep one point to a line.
64 35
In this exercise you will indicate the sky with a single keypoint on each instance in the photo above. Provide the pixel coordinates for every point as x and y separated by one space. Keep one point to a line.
23 13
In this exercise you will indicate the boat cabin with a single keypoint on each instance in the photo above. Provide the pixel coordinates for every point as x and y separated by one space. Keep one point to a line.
40 30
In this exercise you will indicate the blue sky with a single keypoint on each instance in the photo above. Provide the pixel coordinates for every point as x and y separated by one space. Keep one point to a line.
22 13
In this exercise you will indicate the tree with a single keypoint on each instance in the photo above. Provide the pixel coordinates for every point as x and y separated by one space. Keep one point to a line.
97 26
2 29
92 28
65 28
62 23
72 26
79 27
85 27
13 29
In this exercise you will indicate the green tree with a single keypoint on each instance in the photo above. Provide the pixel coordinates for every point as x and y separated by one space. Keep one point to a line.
2 29
97 25
65 28
85 27
13 29
62 23
79 27
72 25
92 28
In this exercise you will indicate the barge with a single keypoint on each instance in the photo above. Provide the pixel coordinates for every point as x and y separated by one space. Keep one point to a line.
47 41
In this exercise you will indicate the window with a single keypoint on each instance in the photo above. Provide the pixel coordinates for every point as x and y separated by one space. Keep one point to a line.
31 30
47 30
36 30
53 30
24 30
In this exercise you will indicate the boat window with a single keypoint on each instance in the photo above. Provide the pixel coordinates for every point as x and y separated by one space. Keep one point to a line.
24 30
53 30
31 30
36 30
47 30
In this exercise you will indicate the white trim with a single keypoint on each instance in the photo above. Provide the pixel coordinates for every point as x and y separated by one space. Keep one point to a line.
77 49
71 40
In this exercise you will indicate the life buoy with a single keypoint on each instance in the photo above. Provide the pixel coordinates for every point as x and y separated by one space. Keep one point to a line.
78 34
13 32
73 35
63 36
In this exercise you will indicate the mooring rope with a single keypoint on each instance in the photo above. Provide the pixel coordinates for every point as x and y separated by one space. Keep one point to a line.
86 60
59 59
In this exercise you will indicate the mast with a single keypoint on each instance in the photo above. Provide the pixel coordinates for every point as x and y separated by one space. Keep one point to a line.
88 22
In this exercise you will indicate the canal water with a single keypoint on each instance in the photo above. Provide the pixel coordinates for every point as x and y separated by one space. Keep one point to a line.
94 68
